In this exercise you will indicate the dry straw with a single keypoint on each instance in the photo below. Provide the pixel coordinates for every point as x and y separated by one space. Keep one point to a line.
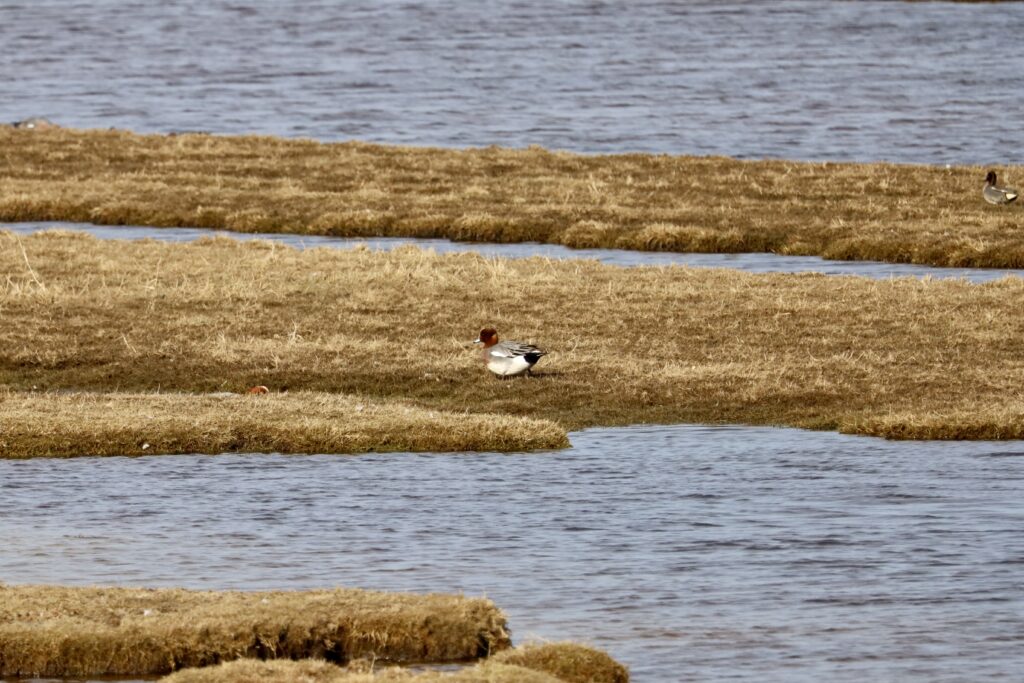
66 425
904 358
566 661
317 671
889 212
551 663
49 631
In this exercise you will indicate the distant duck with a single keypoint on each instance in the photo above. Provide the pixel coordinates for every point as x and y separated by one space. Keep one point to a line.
35 123
509 358
997 195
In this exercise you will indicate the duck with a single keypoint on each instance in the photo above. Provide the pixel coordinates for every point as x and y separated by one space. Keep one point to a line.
508 358
997 195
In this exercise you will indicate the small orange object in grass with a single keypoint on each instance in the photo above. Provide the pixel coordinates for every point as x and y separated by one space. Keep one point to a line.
259 389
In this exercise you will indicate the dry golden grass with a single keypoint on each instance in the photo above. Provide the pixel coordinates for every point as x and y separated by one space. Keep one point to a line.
994 420
889 212
626 345
64 425
58 631
556 663
316 671
569 662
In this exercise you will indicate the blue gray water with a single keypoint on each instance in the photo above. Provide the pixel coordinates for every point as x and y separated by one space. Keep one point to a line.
931 82
751 263
691 553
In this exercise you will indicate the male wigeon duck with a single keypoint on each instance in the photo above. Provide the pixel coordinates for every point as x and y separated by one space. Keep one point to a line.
508 358
997 195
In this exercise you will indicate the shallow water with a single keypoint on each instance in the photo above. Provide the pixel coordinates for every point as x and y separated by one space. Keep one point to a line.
931 82
751 263
690 553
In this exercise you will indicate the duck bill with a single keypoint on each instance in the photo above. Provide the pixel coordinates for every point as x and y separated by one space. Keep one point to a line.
478 341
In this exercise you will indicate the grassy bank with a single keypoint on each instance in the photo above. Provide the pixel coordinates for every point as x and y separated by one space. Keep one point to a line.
64 425
57 631
318 671
887 212
919 358
550 663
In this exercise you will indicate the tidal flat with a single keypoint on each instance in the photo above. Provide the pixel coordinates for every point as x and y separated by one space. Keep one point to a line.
83 631
900 358
322 635
538 663
69 424
897 213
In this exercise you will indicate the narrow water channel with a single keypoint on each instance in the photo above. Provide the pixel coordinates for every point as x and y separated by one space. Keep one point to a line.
752 263
690 553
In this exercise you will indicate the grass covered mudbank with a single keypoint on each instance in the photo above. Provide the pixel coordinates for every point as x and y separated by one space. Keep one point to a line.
48 631
72 424
902 358
887 212
548 663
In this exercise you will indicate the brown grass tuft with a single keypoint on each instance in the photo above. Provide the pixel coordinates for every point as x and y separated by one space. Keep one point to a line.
56 631
654 345
903 213
569 662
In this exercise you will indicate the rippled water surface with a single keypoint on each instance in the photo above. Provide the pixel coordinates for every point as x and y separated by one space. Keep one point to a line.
751 263
691 553
934 82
